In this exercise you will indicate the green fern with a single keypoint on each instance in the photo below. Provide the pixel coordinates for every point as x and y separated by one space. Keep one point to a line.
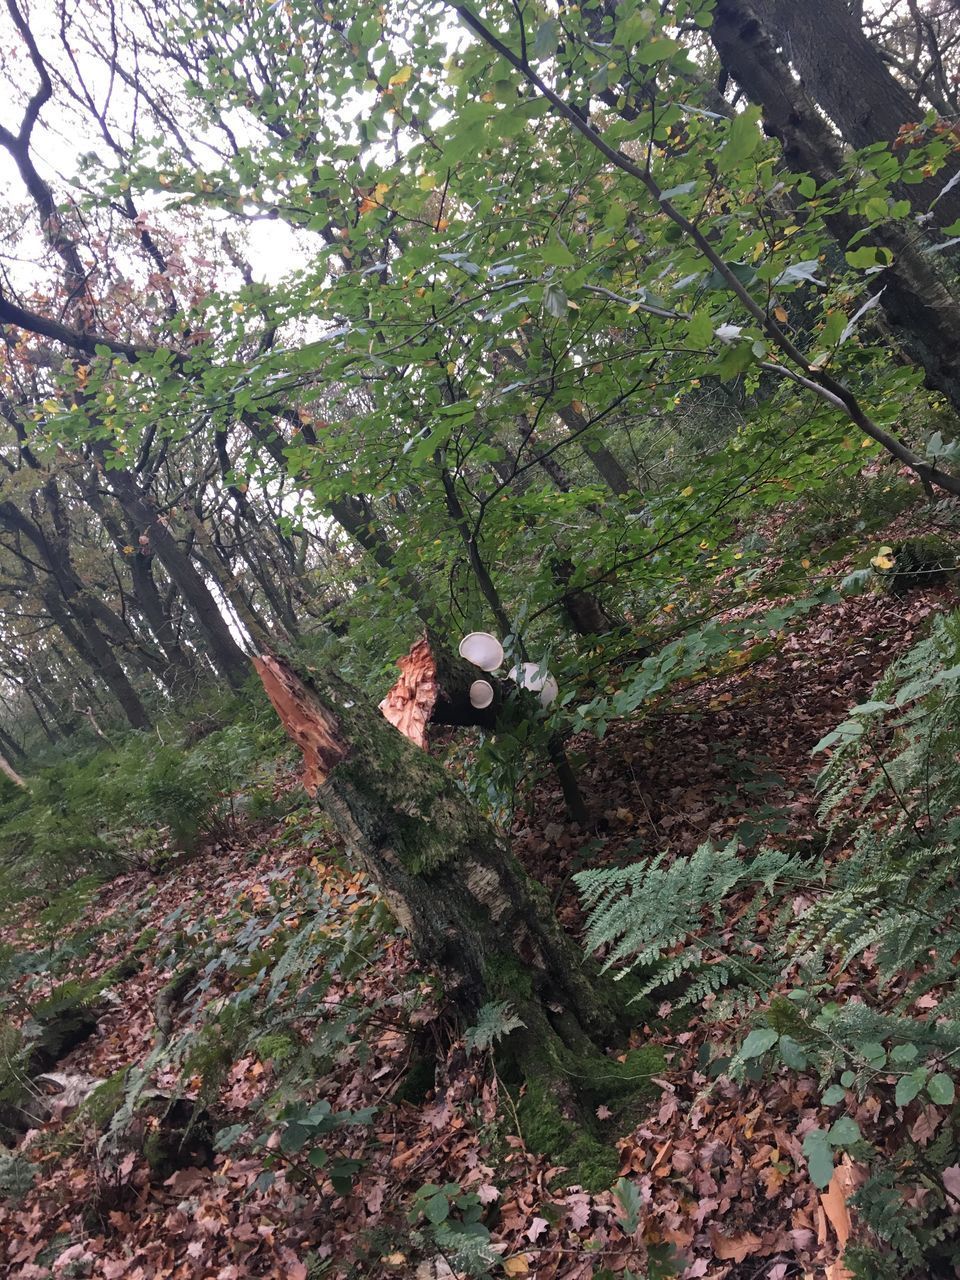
668 918
888 898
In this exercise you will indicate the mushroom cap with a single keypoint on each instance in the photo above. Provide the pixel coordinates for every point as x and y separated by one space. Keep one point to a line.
528 677
549 691
482 650
481 694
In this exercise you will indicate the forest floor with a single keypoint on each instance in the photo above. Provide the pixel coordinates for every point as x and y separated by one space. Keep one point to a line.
718 1166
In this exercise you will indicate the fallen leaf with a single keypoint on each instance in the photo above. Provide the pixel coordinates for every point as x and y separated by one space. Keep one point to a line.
516 1266
734 1248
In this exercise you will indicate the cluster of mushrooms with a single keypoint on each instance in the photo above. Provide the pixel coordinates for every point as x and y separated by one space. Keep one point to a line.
486 652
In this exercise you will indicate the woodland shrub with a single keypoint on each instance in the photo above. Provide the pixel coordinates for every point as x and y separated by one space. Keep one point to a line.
105 806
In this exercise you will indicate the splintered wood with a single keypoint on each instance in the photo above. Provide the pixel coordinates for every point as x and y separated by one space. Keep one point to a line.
311 726
410 703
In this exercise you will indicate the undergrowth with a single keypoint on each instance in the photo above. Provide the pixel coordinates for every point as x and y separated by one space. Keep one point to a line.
760 940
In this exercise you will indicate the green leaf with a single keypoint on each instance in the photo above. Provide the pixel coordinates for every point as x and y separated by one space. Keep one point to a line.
547 39
557 255
743 139
758 1042
844 1132
876 209
342 1173
836 1093
791 1053
941 1089
868 256
554 301
294 1138
901 1054
909 1086
437 1208
656 51
700 330
875 1054
819 1154
630 1202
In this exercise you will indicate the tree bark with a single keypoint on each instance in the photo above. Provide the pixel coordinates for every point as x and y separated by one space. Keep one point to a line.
223 649
469 908
843 71
7 768
923 312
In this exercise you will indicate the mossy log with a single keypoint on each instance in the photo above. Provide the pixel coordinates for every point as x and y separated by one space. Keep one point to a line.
472 913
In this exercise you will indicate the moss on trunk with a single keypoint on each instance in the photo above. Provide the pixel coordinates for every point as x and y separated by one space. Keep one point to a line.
477 919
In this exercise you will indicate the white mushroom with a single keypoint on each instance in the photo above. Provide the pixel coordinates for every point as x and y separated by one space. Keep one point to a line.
482 650
544 684
481 694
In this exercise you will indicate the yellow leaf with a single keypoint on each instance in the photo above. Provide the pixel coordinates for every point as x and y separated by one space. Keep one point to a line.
517 1266
780 314
452 367
402 76
427 182
573 305
687 492
238 308
128 550
805 564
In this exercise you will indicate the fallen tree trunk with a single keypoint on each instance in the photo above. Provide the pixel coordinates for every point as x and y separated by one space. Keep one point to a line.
472 913
451 881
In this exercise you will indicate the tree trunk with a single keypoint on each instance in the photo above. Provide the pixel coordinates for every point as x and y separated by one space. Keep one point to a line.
92 646
472 913
923 312
224 651
453 884
180 669
7 768
844 73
